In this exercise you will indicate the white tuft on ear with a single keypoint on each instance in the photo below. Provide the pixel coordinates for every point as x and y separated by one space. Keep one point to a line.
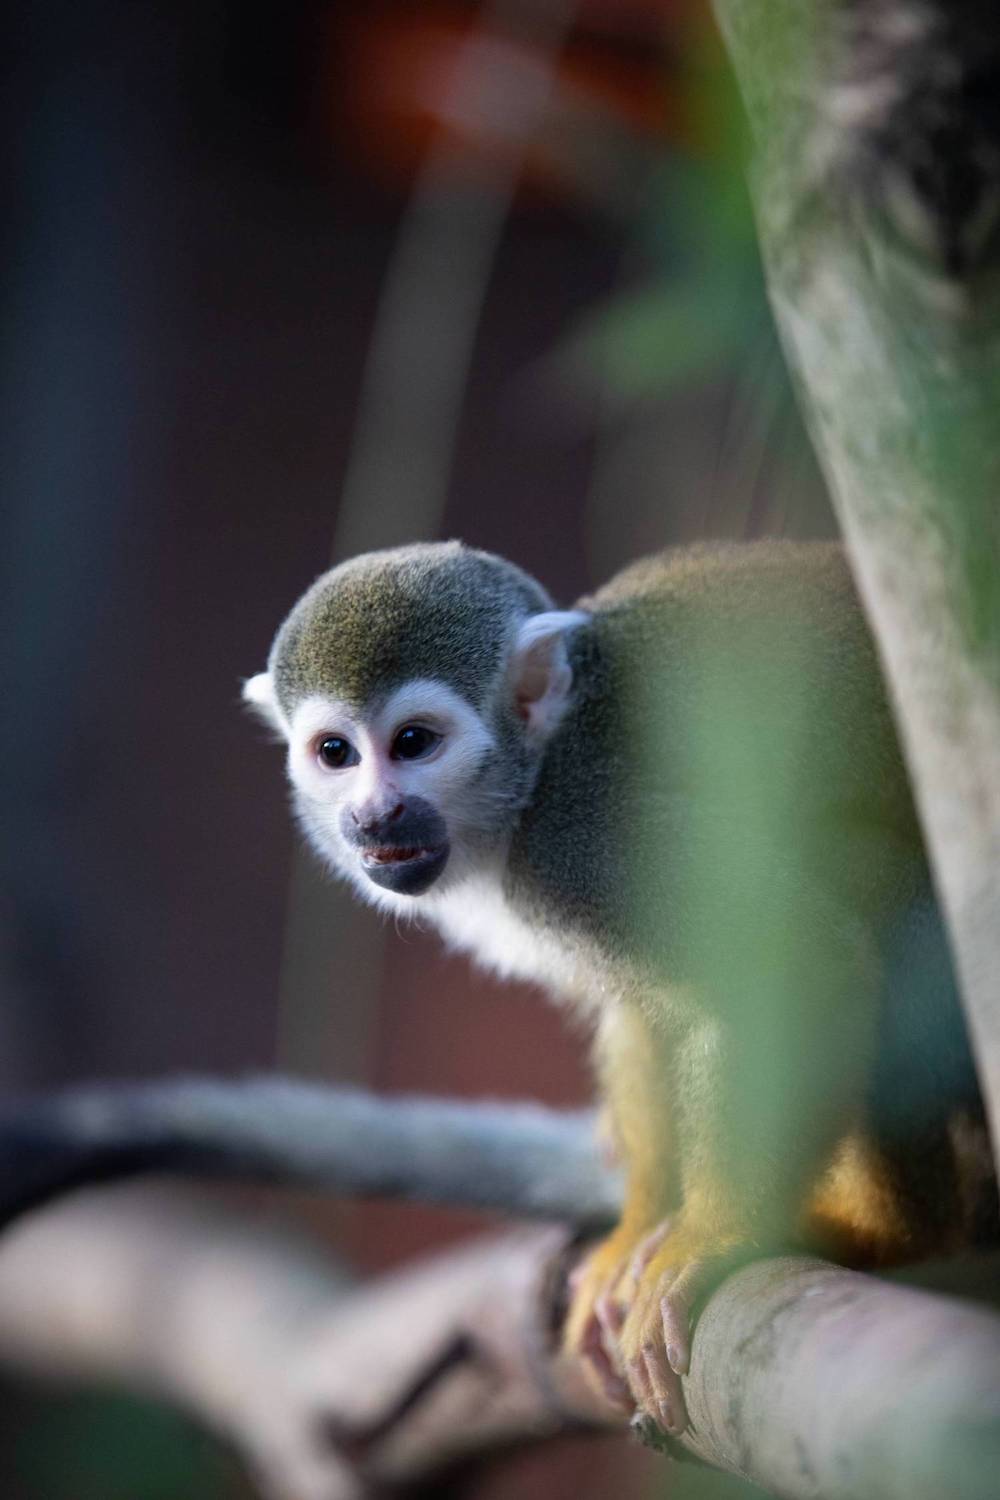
258 692
540 674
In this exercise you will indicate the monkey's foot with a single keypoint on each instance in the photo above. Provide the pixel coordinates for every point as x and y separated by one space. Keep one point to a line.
654 1338
602 1288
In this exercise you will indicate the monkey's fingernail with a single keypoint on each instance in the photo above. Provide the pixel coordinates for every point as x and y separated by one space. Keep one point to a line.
673 1357
666 1413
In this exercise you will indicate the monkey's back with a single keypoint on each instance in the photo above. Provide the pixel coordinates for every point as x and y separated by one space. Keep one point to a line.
730 723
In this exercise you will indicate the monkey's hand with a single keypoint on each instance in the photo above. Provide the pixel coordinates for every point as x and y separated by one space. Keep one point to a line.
603 1287
683 1263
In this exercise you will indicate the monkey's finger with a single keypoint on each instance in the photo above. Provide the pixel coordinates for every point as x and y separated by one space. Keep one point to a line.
599 1362
675 1315
574 1280
610 1314
669 1409
645 1251
642 1389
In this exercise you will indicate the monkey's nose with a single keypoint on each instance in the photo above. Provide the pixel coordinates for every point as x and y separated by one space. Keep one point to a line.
372 822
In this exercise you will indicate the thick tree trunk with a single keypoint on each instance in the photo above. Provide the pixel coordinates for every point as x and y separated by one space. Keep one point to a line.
818 1382
877 189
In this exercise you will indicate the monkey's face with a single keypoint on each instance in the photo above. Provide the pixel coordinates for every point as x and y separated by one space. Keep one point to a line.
402 793
416 690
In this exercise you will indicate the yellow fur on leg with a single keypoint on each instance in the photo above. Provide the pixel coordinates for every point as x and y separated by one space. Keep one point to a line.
637 1115
854 1215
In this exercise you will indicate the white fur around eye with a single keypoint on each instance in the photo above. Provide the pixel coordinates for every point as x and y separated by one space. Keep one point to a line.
316 718
426 701
444 777
464 737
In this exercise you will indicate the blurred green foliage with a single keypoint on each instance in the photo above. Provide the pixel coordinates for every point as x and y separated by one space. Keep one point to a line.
98 1446
694 223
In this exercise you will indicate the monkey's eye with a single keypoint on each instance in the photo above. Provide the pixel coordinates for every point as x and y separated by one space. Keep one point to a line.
414 741
336 752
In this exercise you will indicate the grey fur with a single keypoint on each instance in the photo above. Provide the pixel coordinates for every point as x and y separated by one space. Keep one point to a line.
761 648
518 1158
439 610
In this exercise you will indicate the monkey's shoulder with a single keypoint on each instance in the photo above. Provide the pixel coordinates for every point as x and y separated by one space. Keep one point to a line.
724 581
727 698
762 647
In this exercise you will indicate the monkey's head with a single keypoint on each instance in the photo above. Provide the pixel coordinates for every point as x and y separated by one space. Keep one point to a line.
416 690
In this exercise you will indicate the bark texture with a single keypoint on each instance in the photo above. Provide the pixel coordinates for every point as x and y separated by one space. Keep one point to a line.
876 168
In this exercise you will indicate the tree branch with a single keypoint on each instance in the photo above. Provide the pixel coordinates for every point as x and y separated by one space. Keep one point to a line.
815 1381
807 1379
328 1391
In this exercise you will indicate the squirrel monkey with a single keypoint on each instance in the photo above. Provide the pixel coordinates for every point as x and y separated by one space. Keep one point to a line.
680 805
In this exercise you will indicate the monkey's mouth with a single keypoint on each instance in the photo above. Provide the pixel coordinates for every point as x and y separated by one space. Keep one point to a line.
407 870
392 856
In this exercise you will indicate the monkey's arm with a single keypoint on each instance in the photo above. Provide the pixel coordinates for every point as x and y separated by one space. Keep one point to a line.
771 1038
769 1077
634 1075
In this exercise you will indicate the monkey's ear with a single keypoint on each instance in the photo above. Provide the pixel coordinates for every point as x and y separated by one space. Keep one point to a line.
540 673
258 692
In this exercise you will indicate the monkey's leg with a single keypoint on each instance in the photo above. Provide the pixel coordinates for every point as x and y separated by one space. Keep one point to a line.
872 1208
634 1075
766 1082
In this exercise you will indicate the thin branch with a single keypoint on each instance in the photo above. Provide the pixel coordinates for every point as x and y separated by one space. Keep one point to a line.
814 1381
519 1159
154 1291
328 1391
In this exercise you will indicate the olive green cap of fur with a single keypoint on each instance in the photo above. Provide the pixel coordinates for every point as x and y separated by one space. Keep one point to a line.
433 609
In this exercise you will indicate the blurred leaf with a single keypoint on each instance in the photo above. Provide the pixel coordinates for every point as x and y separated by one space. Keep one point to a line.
705 300
690 326
100 1447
